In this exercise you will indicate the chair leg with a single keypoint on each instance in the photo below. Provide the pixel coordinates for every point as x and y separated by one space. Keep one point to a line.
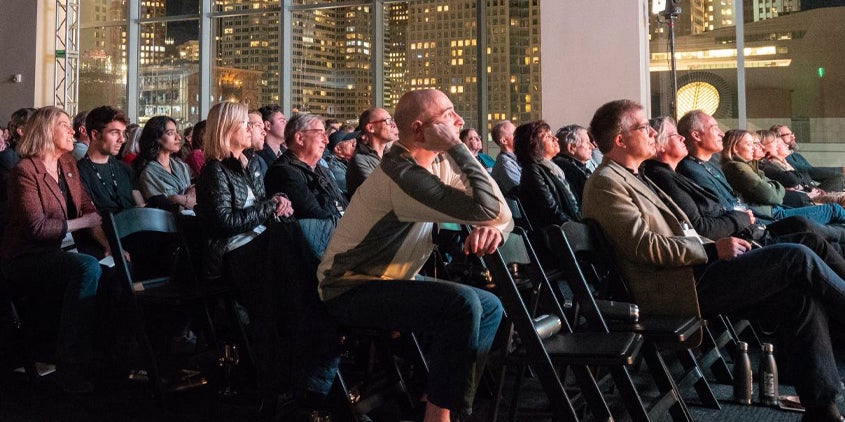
630 396
694 376
592 393
665 384
712 357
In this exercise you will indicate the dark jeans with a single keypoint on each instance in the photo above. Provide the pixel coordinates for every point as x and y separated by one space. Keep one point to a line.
787 285
73 277
462 320
296 342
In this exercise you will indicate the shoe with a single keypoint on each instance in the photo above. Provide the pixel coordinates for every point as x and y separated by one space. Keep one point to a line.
71 380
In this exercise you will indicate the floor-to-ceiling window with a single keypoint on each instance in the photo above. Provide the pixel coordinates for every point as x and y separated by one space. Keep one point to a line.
343 56
792 71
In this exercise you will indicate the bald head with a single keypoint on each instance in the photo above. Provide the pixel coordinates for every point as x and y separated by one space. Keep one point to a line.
419 105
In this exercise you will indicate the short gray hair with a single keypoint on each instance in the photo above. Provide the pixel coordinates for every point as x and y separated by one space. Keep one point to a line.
298 123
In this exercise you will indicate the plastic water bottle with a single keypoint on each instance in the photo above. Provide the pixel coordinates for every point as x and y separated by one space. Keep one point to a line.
743 383
768 374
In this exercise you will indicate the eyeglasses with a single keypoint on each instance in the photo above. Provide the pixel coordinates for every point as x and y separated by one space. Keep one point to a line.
253 124
786 135
320 132
388 121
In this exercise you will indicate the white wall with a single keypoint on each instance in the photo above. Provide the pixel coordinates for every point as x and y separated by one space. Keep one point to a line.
592 52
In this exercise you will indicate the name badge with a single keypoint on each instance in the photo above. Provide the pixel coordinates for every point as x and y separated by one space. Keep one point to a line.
690 232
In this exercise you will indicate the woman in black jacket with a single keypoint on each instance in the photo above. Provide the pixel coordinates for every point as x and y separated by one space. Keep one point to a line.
236 215
543 190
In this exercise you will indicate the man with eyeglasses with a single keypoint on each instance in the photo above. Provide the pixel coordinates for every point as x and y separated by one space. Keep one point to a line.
377 130
367 276
829 178
785 285
312 191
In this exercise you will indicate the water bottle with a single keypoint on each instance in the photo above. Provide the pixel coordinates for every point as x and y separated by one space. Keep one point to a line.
743 383
768 376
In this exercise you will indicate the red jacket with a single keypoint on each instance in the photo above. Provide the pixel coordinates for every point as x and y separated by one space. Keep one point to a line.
36 219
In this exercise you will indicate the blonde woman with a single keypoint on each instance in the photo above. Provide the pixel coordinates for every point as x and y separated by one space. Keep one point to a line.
46 201
231 203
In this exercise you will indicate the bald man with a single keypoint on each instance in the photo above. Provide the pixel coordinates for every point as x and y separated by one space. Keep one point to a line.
367 274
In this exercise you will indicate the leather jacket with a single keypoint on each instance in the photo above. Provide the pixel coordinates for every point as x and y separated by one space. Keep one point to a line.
222 191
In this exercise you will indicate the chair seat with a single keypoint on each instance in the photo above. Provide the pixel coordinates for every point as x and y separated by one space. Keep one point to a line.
662 329
591 348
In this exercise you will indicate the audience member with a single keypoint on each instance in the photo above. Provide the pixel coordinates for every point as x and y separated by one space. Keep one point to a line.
707 216
130 148
9 157
377 130
765 196
165 181
798 182
312 191
236 213
576 150
80 134
543 190
470 137
274 128
506 170
829 178
46 201
332 126
703 139
195 158
784 285
257 135
367 274
339 151
108 181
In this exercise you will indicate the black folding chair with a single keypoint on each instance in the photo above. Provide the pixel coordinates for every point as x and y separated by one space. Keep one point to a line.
550 355
589 263
168 280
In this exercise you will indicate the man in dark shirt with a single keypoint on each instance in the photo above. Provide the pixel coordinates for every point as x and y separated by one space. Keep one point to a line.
311 190
377 130
107 179
576 149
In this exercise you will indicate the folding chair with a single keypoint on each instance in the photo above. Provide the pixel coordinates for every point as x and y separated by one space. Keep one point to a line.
556 351
172 283
585 255
520 218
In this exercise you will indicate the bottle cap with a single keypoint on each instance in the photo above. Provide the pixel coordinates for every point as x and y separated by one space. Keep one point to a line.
768 348
743 346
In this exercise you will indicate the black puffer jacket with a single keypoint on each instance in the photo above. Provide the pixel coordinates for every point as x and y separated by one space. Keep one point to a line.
222 190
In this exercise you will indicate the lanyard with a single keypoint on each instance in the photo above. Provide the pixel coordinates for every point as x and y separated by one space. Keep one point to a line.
112 194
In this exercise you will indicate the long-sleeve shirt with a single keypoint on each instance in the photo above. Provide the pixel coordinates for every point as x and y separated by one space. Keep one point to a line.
386 231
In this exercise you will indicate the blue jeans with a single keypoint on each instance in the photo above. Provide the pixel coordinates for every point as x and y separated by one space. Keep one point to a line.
462 319
789 286
822 213
73 277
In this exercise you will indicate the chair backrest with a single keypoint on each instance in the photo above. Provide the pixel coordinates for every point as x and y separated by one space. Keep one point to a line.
588 255
520 219
517 249
151 236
